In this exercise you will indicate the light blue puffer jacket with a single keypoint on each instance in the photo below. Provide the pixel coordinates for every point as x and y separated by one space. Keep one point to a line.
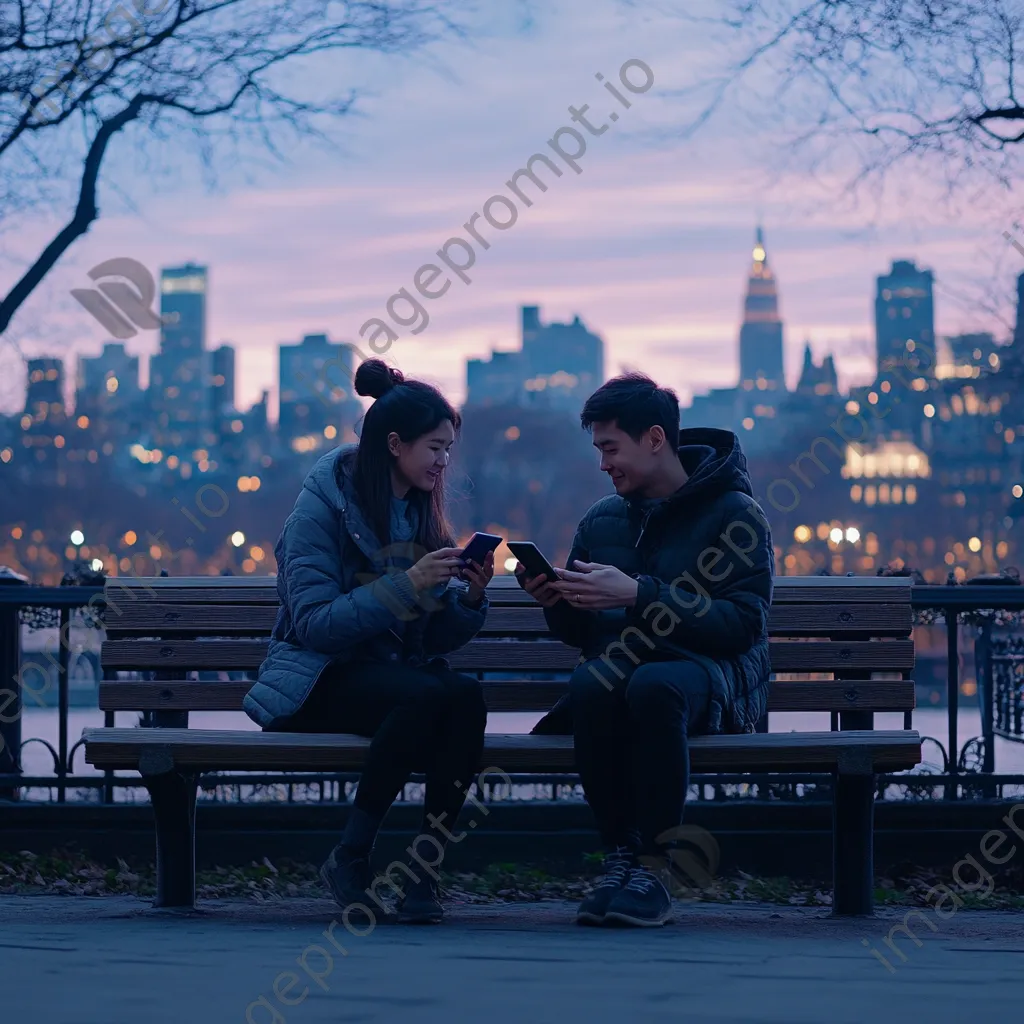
340 600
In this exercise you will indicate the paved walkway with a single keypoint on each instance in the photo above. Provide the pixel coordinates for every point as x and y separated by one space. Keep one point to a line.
114 960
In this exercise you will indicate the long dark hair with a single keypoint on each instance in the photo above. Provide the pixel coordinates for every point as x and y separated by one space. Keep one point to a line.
410 409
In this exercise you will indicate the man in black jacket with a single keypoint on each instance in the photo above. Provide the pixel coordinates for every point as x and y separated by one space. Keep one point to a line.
666 593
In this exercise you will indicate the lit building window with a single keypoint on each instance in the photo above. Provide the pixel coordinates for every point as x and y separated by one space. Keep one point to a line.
856 492
911 494
802 534
870 494
888 459
748 423
929 410
512 434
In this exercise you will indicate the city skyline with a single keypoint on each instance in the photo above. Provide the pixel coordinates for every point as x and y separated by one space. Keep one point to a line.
794 346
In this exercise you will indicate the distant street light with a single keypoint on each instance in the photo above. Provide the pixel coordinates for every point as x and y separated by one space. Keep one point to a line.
238 538
77 537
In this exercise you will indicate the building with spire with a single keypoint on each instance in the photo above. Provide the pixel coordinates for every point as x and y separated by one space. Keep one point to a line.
753 406
761 348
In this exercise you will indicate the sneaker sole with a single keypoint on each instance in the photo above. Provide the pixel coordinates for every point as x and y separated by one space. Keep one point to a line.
403 918
376 918
616 917
591 920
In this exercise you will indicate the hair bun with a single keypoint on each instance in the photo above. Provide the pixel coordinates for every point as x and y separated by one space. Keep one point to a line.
375 378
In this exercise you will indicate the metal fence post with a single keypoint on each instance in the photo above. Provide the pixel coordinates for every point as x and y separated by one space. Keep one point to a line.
10 681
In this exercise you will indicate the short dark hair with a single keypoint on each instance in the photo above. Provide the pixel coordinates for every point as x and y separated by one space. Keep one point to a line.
635 404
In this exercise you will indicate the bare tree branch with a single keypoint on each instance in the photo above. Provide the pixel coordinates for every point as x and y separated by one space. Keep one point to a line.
932 80
77 73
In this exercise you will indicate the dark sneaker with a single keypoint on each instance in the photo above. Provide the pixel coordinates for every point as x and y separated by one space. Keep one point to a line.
420 904
617 866
643 901
348 877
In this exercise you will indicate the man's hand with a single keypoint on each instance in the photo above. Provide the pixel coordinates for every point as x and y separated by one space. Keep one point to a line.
595 587
538 587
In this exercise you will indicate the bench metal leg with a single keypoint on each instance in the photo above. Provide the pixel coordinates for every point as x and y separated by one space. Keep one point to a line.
173 795
853 857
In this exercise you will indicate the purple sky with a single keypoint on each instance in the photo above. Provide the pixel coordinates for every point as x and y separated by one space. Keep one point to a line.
649 244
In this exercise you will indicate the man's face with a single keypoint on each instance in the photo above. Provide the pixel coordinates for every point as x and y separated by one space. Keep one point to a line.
630 464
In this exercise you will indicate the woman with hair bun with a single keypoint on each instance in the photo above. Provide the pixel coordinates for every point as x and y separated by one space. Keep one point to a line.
364 563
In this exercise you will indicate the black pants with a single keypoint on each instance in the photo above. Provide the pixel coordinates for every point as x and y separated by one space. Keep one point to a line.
428 719
630 725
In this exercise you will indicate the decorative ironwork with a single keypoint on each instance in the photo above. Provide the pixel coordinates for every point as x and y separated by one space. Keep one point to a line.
972 756
1007 667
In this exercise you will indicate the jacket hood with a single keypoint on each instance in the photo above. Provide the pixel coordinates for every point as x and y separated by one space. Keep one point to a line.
714 463
330 479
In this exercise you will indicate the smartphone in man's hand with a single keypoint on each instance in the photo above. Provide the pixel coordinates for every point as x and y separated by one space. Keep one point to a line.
532 560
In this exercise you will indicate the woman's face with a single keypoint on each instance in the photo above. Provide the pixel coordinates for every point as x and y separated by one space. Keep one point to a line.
420 463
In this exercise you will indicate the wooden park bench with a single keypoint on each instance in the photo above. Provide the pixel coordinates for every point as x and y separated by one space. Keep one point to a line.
839 644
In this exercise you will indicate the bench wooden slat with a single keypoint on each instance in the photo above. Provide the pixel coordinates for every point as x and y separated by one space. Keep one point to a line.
125 594
214 750
167 620
515 695
502 655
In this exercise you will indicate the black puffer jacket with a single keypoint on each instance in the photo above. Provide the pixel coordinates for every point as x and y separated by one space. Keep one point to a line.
704 561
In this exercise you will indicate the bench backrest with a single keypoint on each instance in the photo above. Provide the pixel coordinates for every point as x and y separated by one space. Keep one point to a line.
839 644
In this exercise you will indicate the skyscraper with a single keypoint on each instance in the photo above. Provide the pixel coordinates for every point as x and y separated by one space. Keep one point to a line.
108 396
106 384
558 365
317 405
222 383
44 424
179 375
905 319
761 349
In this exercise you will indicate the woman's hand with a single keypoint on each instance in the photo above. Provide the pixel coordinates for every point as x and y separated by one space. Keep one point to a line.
478 577
538 587
437 567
